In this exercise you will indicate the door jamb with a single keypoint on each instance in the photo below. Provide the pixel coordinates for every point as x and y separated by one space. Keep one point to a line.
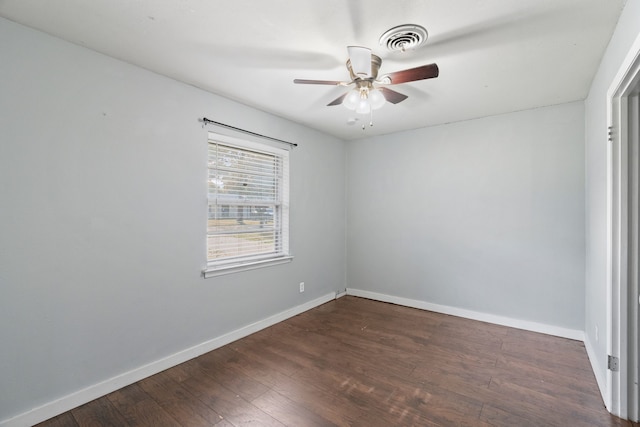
617 230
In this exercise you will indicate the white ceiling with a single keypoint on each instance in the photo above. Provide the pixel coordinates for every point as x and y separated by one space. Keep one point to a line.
495 56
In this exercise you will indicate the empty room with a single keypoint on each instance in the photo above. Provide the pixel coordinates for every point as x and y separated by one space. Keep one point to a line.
317 213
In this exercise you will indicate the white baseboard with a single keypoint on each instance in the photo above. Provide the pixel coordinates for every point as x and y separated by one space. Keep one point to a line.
475 315
95 391
602 381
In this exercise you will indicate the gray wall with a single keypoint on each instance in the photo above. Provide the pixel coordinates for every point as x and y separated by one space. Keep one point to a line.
102 216
596 186
103 220
484 215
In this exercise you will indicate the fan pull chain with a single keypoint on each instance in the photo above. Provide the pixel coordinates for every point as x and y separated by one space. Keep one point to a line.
370 120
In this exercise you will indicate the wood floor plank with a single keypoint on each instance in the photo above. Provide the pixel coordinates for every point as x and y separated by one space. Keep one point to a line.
184 370
559 358
358 362
251 364
62 420
289 412
99 412
478 332
481 354
231 378
139 409
286 364
179 402
552 387
563 411
332 405
499 418
227 403
452 374
414 326
459 355
391 399
576 380
321 349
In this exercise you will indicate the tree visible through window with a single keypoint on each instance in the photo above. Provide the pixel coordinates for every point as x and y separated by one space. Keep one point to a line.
248 218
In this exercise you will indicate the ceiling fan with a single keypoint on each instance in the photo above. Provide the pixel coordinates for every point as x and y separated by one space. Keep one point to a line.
370 92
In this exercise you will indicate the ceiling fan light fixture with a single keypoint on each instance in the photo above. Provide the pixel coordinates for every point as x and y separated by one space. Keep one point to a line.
351 100
364 99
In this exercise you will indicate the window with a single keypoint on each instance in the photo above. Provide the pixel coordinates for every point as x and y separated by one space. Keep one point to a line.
248 216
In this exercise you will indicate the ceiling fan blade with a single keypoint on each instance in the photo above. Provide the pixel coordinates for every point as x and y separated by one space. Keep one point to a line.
419 73
317 82
392 96
337 101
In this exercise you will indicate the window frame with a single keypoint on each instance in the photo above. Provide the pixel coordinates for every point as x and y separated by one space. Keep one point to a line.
281 221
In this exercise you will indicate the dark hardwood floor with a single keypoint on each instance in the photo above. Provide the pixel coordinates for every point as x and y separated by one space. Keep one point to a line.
357 362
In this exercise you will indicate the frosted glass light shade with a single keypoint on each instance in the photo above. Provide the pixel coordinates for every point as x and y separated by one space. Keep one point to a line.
376 98
351 100
364 107
360 58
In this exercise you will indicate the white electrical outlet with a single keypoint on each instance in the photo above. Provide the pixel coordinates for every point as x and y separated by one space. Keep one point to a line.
301 286
597 337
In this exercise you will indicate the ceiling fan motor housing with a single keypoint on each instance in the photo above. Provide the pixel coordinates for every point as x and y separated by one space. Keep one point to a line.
376 62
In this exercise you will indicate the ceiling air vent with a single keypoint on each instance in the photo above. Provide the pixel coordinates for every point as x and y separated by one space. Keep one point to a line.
404 37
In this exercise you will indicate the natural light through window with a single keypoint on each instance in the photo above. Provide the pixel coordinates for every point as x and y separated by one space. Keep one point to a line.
248 209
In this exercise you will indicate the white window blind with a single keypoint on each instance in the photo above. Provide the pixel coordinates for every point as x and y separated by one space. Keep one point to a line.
248 216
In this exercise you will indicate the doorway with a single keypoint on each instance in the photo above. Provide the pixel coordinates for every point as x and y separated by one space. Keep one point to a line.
624 253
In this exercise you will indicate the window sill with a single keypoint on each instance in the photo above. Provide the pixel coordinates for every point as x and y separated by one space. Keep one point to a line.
235 268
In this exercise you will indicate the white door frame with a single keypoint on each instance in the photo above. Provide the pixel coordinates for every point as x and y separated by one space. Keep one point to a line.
633 296
618 316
